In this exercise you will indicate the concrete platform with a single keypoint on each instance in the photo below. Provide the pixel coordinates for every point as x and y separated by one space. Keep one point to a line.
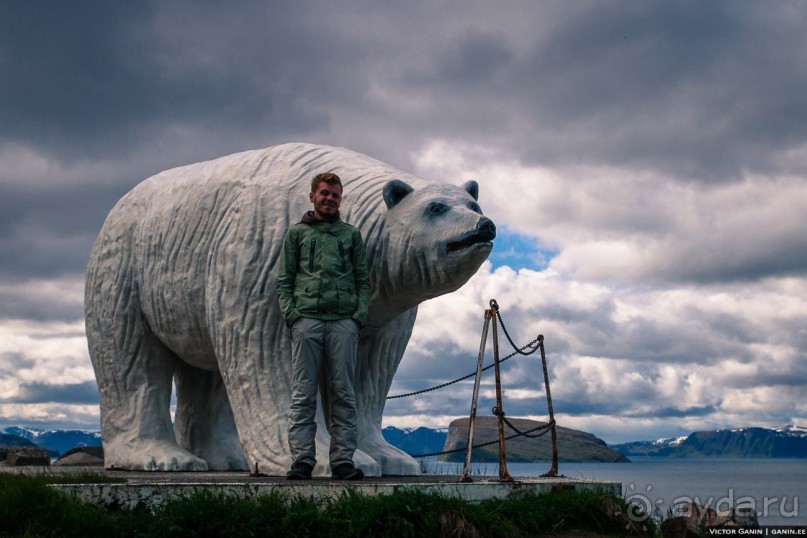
151 490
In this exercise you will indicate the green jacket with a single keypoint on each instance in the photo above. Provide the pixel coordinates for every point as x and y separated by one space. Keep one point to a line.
323 272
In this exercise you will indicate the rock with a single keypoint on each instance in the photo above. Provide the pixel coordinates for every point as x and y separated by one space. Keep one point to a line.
695 520
678 527
19 456
573 445
698 516
82 455
742 516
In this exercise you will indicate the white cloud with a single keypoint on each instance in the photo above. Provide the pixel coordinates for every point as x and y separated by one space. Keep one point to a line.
619 225
67 291
20 161
49 357
660 164
22 164
625 337
674 358
50 415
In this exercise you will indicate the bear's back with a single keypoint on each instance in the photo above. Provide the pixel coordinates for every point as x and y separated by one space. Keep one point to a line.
229 216
280 175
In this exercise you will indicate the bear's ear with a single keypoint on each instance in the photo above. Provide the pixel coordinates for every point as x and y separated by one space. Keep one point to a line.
394 191
473 188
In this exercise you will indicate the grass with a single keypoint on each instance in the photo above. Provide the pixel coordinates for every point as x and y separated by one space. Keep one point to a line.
28 507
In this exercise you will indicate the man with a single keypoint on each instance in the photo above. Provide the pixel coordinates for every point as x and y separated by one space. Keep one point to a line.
324 296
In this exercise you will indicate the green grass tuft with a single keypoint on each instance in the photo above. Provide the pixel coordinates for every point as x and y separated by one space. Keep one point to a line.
28 507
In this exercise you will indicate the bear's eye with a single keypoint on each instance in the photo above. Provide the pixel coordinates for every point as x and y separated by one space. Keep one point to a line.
473 206
437 208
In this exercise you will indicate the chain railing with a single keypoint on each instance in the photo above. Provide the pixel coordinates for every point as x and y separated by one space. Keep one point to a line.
526 433
535 345
463 378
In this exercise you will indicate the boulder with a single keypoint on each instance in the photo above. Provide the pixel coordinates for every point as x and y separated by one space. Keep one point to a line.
678 527
19 456
739 516
82 455
694 520
573 445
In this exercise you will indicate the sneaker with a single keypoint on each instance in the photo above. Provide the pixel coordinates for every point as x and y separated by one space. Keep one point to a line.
300 471
346 471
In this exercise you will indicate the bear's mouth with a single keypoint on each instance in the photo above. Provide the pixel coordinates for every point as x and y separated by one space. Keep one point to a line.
468 240
465 242
484 233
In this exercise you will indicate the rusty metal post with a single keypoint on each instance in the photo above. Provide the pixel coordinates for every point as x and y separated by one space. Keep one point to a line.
504 476
466 472
554 470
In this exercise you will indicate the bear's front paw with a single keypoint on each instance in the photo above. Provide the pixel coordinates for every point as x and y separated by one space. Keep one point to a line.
148 455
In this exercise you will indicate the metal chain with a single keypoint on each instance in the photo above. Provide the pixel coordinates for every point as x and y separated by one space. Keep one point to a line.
472 374
512 436
533 346
545 427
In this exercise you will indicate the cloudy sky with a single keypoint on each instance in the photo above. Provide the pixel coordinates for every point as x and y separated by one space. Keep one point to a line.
645 163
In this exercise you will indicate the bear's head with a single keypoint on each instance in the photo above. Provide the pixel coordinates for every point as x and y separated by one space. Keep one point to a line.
436 237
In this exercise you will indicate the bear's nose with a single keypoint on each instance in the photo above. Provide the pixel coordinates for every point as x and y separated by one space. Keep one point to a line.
485 229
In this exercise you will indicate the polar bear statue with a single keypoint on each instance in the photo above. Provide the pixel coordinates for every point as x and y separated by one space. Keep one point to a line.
181 284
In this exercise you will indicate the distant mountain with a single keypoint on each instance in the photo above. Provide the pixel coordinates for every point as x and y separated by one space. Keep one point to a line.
58 441
7 440
416 441
785 442
659 447
573 445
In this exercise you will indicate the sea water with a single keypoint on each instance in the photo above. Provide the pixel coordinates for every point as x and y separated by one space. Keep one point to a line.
776 489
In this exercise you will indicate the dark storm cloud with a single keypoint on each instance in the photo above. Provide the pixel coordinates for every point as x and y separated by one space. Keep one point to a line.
70 76
12 363
59 300
789 374
96 96
705 91
76 393
130 90
582 407
138 92
450 401
418 373
673 412
105 79
48 232
633 403
445 360
781 257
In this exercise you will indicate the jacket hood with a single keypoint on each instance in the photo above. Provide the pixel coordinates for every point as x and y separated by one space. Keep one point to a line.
309 218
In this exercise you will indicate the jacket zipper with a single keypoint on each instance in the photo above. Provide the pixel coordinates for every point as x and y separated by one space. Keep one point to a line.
342 255
311 255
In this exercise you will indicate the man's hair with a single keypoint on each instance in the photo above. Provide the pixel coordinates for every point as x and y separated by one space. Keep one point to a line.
327 177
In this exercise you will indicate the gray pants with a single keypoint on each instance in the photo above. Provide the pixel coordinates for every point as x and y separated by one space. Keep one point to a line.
323 352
